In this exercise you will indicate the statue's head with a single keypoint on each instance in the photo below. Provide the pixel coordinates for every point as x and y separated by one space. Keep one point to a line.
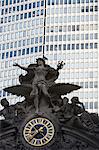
75 100
40 61
65 100
4 102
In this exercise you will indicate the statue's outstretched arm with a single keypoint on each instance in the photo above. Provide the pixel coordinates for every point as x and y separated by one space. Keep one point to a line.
23 68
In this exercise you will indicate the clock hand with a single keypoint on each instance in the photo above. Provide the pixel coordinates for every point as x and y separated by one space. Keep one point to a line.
33 135
35 129
41 129
42 134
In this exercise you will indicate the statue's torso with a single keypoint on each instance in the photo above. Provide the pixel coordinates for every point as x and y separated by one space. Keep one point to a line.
40 74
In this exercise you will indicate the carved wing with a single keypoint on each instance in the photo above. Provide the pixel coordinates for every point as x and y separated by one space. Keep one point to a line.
63 89
19 90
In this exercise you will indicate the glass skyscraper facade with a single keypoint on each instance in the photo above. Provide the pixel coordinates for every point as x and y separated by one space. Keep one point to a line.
65 29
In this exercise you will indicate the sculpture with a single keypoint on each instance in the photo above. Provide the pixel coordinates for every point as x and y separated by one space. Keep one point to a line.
39 81
45 120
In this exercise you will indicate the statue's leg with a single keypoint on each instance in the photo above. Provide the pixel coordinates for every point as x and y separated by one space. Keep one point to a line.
36 103
35 95
43 88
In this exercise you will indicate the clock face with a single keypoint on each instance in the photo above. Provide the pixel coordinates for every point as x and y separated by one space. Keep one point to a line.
38 131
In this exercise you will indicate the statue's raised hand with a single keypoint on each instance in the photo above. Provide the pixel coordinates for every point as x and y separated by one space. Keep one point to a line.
60 65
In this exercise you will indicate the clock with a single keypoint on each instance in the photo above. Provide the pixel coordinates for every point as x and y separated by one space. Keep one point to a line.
38 131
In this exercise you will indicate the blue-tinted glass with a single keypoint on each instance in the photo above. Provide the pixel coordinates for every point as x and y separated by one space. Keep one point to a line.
21 16
38 12
0 93
25 6
91 8
91 45
40 39
95 105
31 49
10 1
30 6
65 1
68 46
53 2
11 53
8 94
6 10
2 11
57 2
69 1
38 4
40 48
82 1
78 1
7 54
82 9
13 8
96 8
3 55
3 3
3 48
86 46
87 1
34 5
14 1
10 9
6 2
15 53
36 40
61 1
4 93
73 46
42 12
36 48
86 105
23 51
19 52
87 8
91 105
33 13
1 20
64 46
48 2
91 1
17 17
27 51
42 3
74 1
21 7
77 46
7 46
29 15
17 8
25 15
18 1
82 46
60 47
96 45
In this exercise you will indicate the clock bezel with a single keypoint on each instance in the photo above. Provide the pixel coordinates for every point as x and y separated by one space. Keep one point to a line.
37 123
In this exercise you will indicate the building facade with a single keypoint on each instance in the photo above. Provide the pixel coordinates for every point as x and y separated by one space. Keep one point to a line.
65 30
